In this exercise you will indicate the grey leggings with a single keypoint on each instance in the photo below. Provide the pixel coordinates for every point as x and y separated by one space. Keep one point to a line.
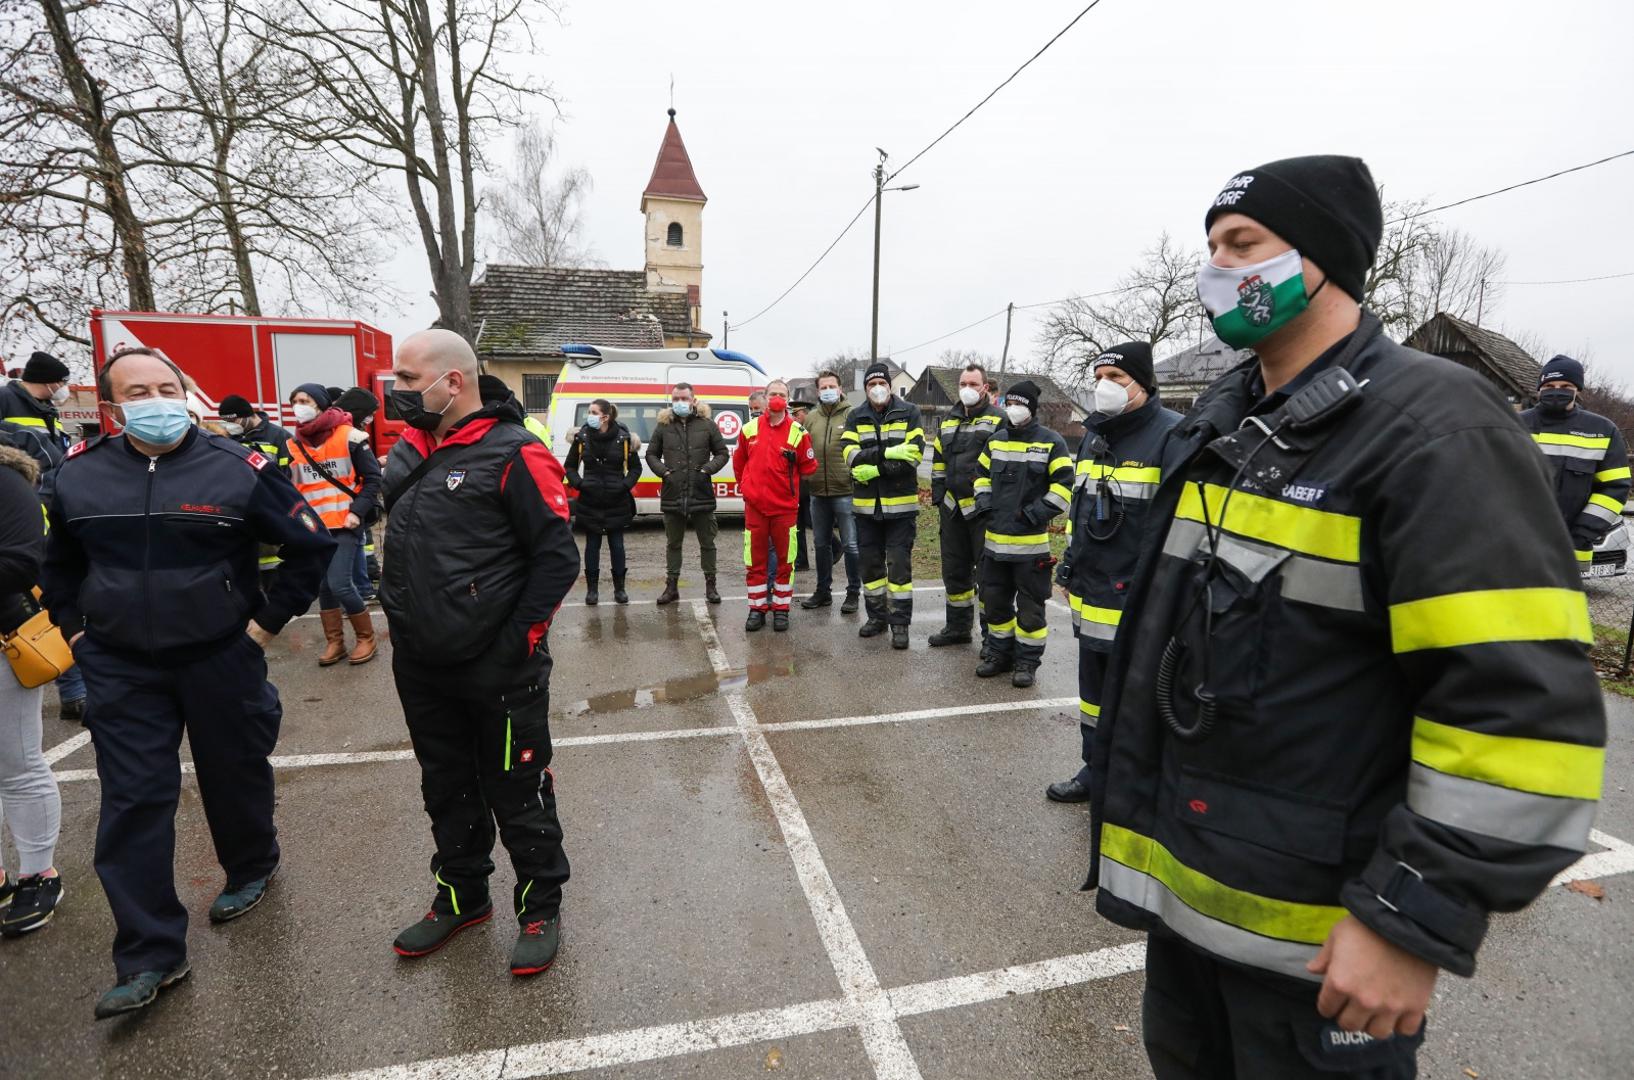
28 791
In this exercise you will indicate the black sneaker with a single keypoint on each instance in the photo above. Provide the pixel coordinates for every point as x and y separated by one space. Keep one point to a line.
433 932
871 628
73 709
33 903
138 991
236 900
780 621
851 603
536 946
817 600
755 621
899 637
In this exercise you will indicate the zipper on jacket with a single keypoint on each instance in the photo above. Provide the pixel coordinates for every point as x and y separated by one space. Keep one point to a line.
147 553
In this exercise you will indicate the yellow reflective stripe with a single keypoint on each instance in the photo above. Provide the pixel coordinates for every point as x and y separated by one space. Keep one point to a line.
453 897
918 431
938 466
1063 491
25 421
1004 538
1612 474
1584 556
896 425
1016 446
1033 635
966 502
982 483
1614 505
1006 627
850 436
1144 475
1541 766
955 597
983 460
905 587
1489 615
1060 463
748 550
1089 708
1587 442
1297 528
1104 615
1285 920
898 500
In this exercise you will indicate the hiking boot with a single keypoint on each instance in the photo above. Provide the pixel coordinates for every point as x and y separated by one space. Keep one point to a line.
899 637
536 945
1067 791
780 621
872 628
432 932
619 595
334 636
852 602
592 595
33 903
73 709
993 664
363 630
670 593
755 621
949 636
1022 676
817 600
138 991
236 900
712 594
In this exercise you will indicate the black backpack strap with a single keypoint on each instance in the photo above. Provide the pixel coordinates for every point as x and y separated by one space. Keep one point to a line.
392 494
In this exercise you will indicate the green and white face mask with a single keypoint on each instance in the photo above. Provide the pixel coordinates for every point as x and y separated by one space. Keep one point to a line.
1247 304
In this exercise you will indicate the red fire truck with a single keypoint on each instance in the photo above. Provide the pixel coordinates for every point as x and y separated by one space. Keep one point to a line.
258 358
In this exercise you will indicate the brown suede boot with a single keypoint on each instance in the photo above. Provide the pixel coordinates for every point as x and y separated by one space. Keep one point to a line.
670 593
334 636
363 627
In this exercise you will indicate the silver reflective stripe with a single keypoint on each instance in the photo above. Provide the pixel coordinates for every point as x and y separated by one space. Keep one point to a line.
1098 630
1254 561
1521 817
1222 939
1304 579
1185 539
906 508
1055 500
949 501
1608 516
1017 549
1038 453
1133 490
1582 453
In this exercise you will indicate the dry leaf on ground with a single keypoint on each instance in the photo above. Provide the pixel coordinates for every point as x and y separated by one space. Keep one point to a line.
1587 888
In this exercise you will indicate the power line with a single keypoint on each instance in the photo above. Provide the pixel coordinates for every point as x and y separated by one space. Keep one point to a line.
1045 48
950 333
1566 281
809 269
1511 187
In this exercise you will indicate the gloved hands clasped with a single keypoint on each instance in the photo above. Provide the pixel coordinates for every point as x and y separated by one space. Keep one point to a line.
899 452
865 474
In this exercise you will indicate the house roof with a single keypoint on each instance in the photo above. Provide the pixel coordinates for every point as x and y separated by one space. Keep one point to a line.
534 310
1446 334
1200 363
672 175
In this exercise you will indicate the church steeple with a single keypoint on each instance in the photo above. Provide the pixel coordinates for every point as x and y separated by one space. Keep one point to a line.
672 175
674 205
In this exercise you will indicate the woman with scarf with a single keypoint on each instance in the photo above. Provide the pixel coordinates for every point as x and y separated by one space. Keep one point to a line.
340 478
603 467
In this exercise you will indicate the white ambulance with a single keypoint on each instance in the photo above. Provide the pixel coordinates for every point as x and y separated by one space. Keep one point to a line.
638 382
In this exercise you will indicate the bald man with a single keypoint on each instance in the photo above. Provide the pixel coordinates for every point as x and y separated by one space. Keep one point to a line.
478 556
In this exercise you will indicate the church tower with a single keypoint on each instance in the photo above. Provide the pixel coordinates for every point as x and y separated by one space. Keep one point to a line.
674 205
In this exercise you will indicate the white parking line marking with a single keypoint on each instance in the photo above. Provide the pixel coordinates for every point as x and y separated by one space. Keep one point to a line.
924 714
1619 859
1021 979
66 747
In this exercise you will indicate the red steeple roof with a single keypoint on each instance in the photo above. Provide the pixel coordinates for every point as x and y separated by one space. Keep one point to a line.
672 175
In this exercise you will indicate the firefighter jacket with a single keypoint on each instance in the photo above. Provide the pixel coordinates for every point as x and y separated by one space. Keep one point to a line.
1023 479
156 557
961 436
1353 675
24 409
1119 467
269 439
769 462
826 425
869 433
1585 451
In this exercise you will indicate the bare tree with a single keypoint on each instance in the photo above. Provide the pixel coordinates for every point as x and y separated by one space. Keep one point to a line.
847 364
536 215
961 358
1423 269
1154 302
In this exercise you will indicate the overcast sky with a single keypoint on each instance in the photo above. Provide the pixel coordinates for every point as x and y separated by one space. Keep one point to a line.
1126 127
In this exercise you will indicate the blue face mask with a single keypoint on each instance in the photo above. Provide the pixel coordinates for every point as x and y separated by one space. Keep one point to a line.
683 409
157 421
828 396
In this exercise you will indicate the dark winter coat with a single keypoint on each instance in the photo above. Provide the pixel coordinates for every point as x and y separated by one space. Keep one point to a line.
1589 461
685 454
603 468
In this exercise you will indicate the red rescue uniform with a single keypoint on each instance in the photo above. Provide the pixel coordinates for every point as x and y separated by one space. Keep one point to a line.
769 461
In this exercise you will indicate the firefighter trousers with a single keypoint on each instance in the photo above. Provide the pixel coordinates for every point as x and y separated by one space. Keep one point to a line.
961 540
1202 1019
774 533
885 560
484 757
1092 665
1014 595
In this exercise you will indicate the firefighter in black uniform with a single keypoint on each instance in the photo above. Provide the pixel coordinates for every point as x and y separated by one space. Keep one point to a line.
1023 479
884 443
474 498
150 572
250 427
961 436
1350 711
1585 452
1119 467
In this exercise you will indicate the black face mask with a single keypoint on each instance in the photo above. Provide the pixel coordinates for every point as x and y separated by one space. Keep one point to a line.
410 406
1556 401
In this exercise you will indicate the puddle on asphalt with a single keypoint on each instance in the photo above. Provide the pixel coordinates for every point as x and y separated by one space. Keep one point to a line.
680 690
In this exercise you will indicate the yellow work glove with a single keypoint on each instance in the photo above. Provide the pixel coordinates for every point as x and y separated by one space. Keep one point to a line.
899 452
865 474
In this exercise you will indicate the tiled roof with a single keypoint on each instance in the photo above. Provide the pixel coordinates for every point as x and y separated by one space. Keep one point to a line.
1199 364
1440 337
533 310
672 175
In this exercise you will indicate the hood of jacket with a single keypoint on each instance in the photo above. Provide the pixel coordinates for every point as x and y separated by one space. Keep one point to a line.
702 413
20 462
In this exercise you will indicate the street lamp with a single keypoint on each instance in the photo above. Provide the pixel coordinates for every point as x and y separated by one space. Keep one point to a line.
879 190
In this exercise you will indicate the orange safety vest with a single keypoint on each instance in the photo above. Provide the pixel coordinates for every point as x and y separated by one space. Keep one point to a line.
335 454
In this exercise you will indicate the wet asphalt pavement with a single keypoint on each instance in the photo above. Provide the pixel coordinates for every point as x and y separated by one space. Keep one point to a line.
748 897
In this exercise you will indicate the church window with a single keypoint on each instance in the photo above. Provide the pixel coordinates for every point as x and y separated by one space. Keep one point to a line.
674 234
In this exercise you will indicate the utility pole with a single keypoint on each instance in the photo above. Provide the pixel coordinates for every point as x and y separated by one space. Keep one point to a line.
726 332
1009 313
879 197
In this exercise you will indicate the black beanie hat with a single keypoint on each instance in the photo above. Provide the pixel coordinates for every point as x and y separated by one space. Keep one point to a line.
1563 367
876 370
1326 206
1135 360
359 403
42 367
1027 391
492 389
320 397
234 405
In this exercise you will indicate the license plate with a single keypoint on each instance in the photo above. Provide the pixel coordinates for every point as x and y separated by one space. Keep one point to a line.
1603 570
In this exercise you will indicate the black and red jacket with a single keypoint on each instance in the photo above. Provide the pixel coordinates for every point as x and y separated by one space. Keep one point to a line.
478 551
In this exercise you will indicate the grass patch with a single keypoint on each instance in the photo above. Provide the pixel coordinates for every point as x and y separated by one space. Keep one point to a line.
927 546
1607 654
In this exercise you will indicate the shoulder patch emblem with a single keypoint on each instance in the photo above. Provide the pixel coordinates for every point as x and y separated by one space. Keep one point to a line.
256 460
456 477
79 448
309 519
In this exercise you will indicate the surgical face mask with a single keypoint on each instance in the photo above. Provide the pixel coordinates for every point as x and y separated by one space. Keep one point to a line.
232 427
157 421
1247 304
592 422
305 414
683 409
1018 415
879 395
970 395
828 396
411 406
1556 401
60 394
1110 398
777 402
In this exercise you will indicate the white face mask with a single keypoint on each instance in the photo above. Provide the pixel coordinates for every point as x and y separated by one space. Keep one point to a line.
970 395
232 428
828 395
60 394
1018 415
879 395
305 414
1110 398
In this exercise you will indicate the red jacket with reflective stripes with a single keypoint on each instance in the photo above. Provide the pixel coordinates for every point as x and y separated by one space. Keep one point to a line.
767 479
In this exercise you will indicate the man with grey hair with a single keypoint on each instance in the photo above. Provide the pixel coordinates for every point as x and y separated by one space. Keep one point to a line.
478 557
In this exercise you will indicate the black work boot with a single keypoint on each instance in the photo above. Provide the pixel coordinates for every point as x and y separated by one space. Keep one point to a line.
899 637
823 598
619 595
780 621
670 593
712 594
591 595
948 635
1073 790
993 663
872 628
755 621
853 600
1022 676
433 932
536 946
